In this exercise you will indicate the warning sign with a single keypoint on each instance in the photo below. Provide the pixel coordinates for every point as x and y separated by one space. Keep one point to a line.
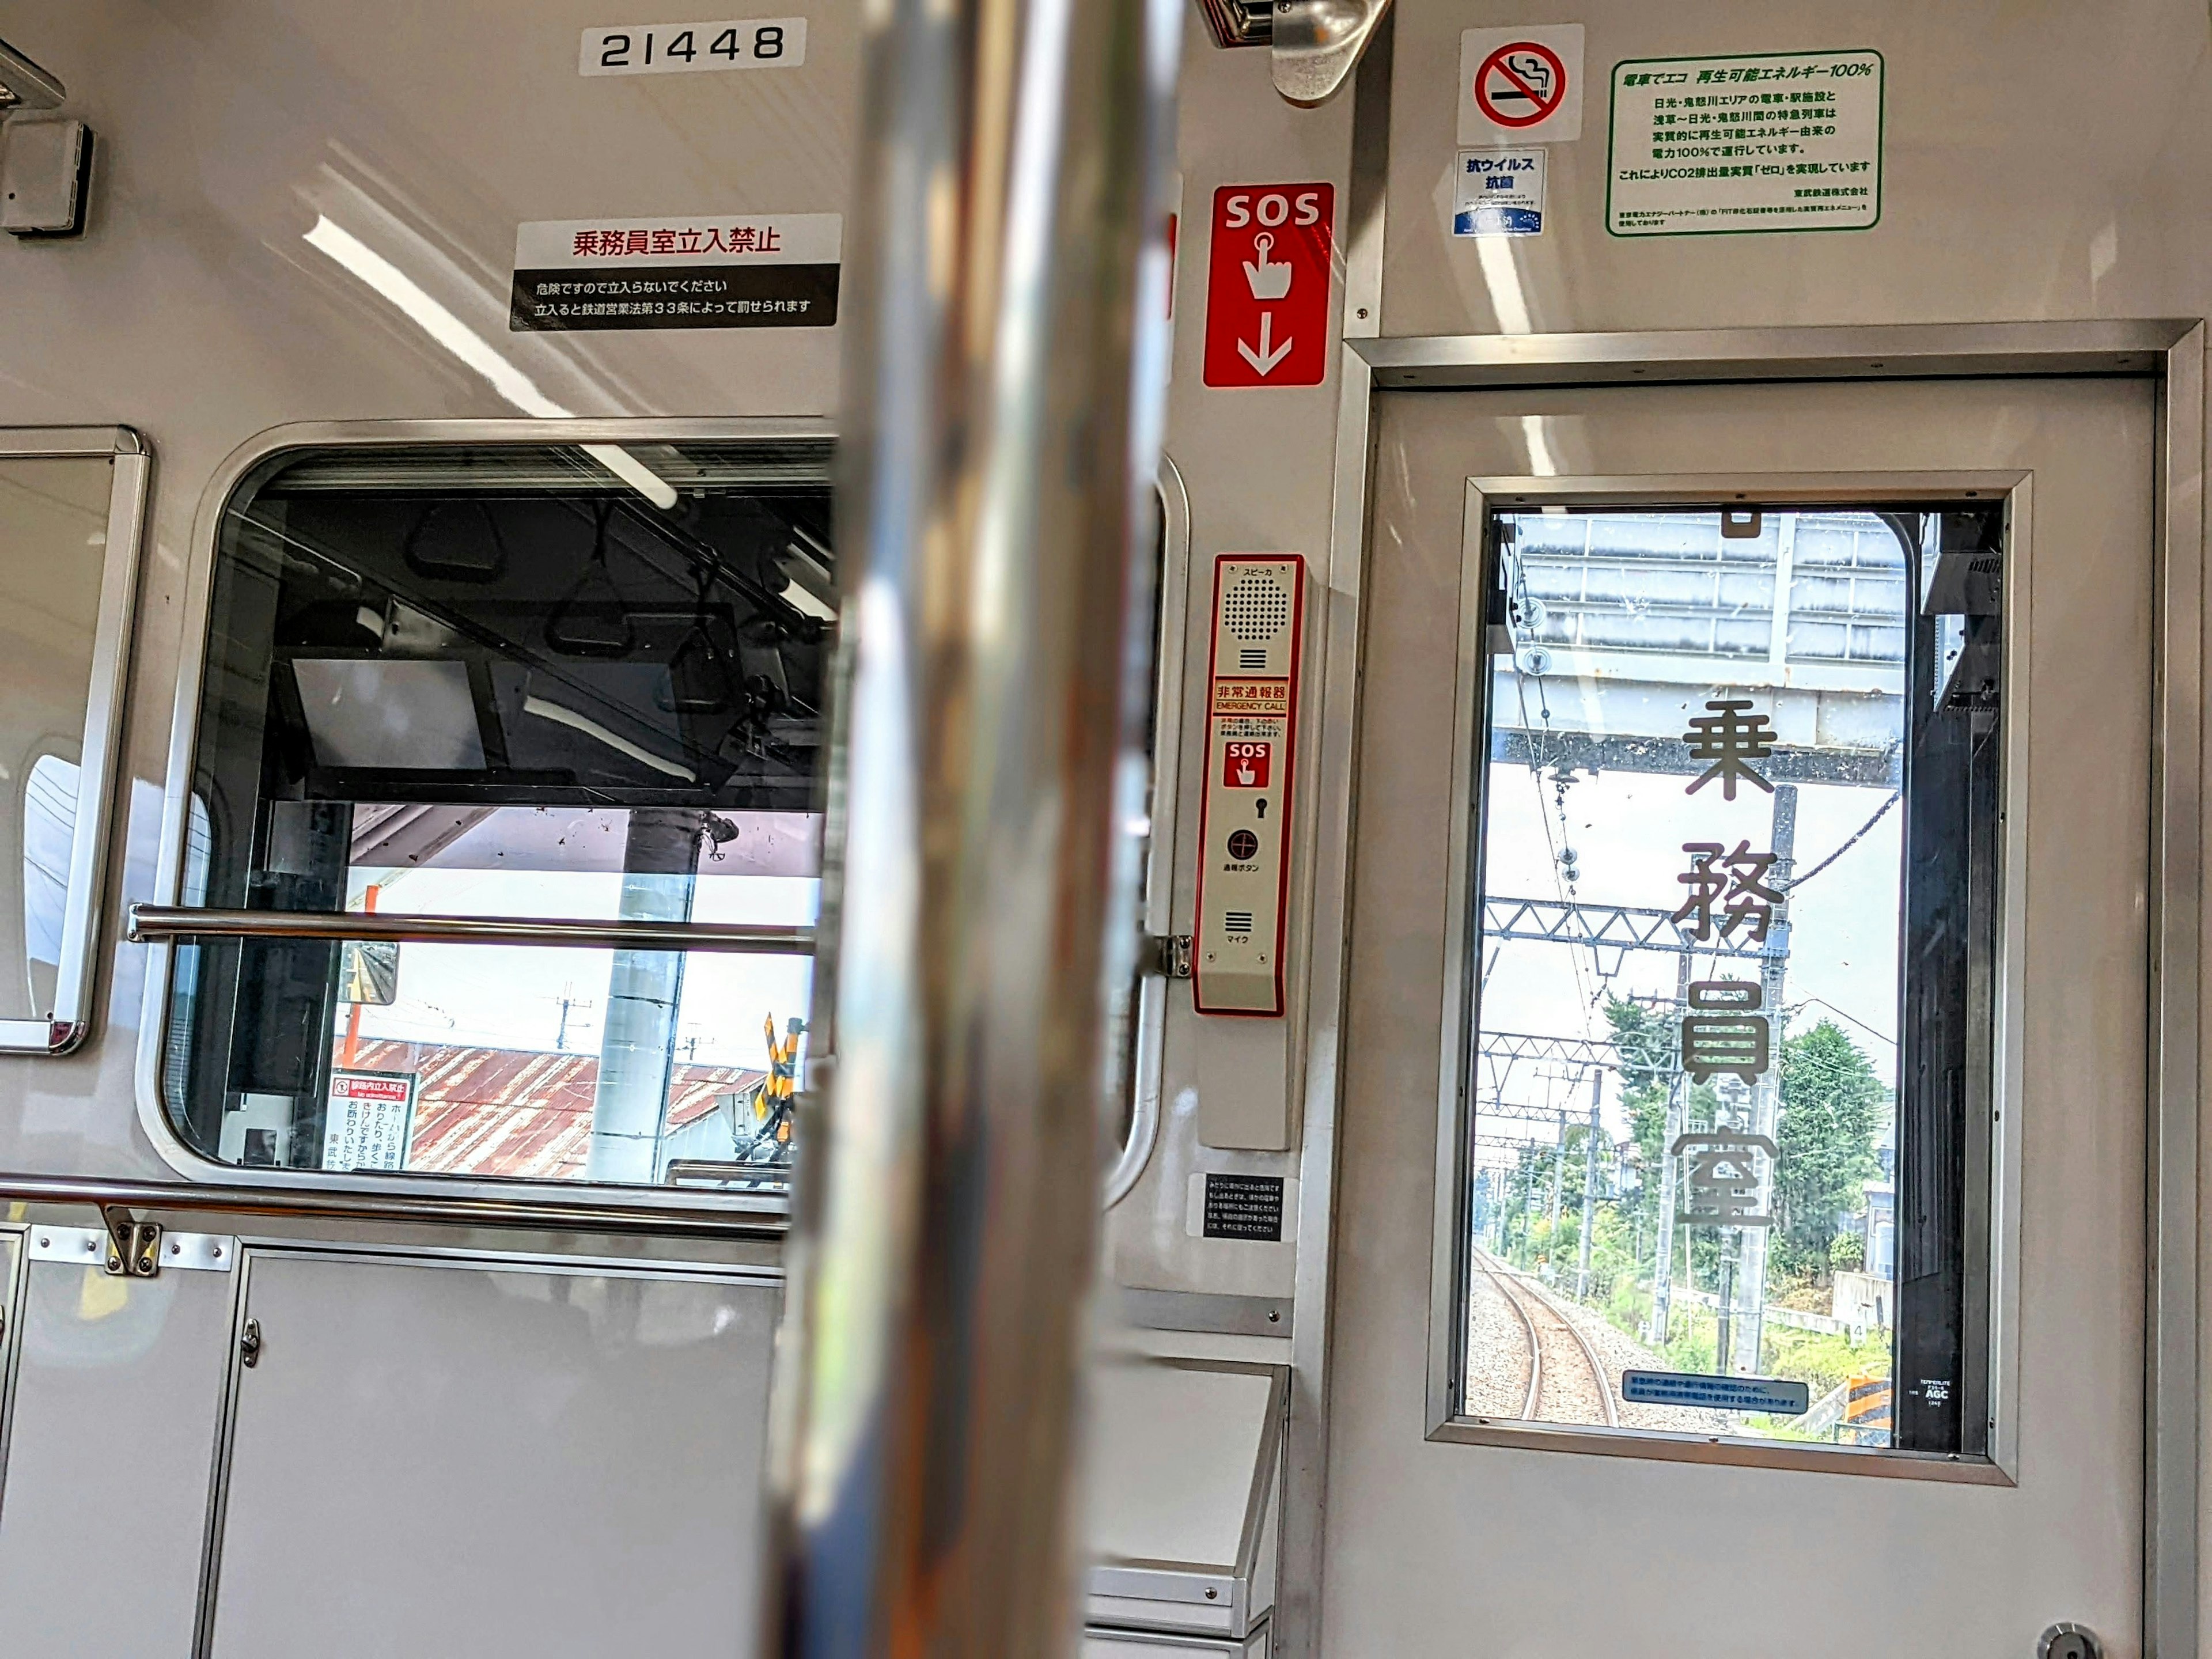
1518 85
1251 1209
1521 86
766 271
1267 285
369 1121
1703 146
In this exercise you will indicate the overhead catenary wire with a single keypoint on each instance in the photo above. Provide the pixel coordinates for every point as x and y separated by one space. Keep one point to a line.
1858 834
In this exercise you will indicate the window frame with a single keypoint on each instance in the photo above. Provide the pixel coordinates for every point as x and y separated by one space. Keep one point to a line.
429 1195
1156 902
1449 1265
100 741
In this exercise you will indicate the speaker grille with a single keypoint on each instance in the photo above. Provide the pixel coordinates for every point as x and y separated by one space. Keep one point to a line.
1255 607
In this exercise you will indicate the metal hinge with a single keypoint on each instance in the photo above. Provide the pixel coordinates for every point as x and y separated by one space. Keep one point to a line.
134 1248
249 1344
1167 955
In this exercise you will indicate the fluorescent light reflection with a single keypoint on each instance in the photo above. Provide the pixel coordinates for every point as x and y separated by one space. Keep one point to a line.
635 473
432 318
1502 278
471 348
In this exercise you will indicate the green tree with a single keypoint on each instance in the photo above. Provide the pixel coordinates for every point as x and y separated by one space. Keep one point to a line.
1646 1042
1832 1105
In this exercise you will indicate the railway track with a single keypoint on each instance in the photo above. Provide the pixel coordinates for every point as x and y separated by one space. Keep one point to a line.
1557 1392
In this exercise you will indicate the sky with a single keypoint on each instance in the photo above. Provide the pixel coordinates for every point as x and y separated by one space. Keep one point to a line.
1627 830
511 996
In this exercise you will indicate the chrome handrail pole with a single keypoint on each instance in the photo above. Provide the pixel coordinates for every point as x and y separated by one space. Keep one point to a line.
153 923
1002 388
739 1217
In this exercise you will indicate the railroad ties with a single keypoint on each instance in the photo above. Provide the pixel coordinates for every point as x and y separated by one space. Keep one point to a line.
1567 1382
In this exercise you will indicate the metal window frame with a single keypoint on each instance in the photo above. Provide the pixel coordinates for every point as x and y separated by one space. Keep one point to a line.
2169 351
77 975
430 1196
1155 910
1448 1278
474 1202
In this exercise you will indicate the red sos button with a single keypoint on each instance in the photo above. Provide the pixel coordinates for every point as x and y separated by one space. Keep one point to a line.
1244 765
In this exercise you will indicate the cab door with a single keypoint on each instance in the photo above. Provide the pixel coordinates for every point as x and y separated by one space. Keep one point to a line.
1748 953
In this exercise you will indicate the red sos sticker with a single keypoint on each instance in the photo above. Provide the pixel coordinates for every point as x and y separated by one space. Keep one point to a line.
1244 765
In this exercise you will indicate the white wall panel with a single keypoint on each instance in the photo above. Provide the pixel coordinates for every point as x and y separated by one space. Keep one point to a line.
490 1459
118 1394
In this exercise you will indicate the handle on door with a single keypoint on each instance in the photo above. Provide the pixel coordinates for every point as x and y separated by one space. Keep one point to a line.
2068 1640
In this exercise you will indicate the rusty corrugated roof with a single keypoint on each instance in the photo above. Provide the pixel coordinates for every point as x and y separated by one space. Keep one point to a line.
520 1111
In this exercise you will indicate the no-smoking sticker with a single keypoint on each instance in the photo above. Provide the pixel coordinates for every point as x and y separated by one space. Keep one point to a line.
1521 86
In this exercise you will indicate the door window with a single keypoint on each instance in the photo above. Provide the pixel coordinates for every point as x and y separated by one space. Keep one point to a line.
1736 858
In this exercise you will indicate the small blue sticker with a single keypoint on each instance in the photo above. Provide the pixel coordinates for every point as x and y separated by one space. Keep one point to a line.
1499 193
1770 1395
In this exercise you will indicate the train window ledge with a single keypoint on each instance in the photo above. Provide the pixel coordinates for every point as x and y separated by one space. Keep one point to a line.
530 682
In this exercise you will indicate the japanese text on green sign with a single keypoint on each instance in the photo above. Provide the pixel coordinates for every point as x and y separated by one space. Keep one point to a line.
1706 145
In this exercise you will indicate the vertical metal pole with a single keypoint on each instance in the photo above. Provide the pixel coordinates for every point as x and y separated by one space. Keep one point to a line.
1003 384
1590 1190
1662 1249
1552 1223
1723 1357
637 1043
1767 1096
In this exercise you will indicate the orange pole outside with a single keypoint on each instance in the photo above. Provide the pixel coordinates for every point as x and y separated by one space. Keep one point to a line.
353 1011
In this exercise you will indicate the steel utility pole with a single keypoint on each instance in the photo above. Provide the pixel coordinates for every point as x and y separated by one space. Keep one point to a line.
1678 1100
1558 1175
1589 1189
1766 1094
1530 1205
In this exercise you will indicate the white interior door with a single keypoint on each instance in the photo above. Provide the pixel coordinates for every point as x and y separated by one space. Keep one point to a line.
1548 1545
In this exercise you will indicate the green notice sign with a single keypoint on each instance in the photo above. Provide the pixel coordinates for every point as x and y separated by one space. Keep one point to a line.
1710 146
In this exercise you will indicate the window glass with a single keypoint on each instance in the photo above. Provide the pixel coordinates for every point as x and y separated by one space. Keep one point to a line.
539 683
1736 858
50 796
53 541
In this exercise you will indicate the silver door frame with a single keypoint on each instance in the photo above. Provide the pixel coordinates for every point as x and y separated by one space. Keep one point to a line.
2171 352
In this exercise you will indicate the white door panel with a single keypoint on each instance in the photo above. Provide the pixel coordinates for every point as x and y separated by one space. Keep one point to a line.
112 1429
465 1458
1440 1548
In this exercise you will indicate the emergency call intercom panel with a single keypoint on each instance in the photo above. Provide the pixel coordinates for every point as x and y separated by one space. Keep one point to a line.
1244 812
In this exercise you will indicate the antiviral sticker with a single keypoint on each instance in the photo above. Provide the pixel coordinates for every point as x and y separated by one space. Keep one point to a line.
1500 193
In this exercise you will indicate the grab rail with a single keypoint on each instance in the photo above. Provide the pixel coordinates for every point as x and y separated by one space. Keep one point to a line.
532 1214
150 923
